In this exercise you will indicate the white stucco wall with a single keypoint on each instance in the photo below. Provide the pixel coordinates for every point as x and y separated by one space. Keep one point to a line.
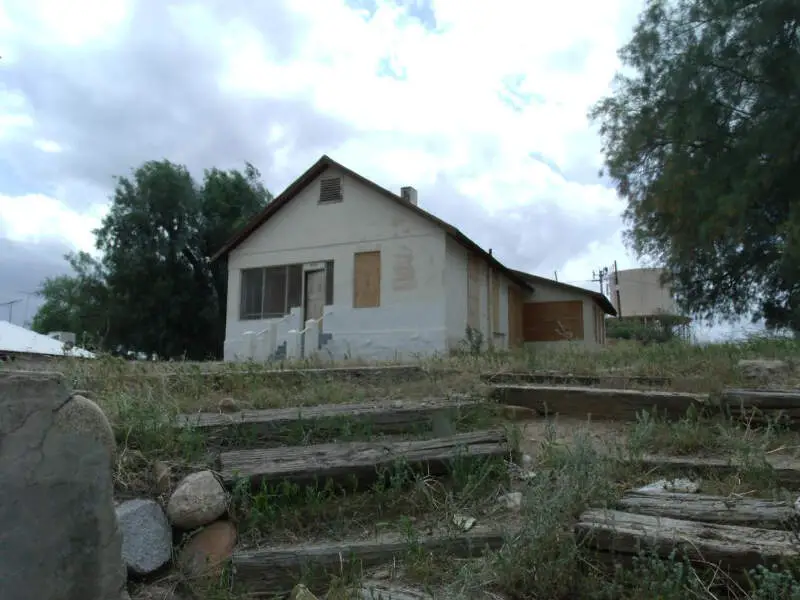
455 280
501 335
546 293
411 316
456 291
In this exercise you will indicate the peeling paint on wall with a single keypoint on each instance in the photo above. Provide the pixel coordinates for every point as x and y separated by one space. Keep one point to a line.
403 275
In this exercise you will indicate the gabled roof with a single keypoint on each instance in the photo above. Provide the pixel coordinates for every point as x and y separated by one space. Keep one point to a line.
315 171
599 298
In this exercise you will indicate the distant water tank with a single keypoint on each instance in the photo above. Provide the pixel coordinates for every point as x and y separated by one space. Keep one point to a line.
63 336
641 293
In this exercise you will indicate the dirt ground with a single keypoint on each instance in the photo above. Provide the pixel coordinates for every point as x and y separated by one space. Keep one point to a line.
605 434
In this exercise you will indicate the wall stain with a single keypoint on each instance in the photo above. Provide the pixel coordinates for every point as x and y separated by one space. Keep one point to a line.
403 275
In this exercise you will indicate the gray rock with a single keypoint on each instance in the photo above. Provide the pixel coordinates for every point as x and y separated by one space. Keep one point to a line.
146 535
60 538
198 500
83 417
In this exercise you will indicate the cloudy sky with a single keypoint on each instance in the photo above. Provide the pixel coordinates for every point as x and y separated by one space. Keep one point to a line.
481 106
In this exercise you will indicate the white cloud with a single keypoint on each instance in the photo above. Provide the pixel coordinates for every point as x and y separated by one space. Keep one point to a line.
445 119
48 145
440 118
36 217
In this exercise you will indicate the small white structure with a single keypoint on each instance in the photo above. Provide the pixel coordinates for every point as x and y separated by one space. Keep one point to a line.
339 267
16 340
640 293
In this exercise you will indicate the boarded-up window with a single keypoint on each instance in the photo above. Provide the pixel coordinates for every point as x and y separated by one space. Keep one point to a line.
474 292
330 190
495 301
515 336
552 321
367 280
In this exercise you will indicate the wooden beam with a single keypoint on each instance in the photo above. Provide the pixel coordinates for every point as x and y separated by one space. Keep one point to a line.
304 464
759 406
273 424
785 470
745 511
600 403
613 381
276 570
733 547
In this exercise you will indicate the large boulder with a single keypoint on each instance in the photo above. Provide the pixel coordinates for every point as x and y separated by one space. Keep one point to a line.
60 537
199 499
146 535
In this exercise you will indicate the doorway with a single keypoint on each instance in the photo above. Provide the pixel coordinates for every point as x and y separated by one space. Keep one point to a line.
314 305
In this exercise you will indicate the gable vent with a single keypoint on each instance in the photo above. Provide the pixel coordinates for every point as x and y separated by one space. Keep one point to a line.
330 189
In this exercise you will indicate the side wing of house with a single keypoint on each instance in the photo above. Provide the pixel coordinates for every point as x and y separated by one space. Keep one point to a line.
480 297
369 267
554 315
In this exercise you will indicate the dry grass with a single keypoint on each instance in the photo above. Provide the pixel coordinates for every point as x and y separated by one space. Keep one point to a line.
577 465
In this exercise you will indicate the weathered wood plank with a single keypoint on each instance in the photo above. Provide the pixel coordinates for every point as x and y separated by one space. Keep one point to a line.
600 403
359 459
613 381
760 406
731 546
277 569
762 399
785 471
745 511
394 417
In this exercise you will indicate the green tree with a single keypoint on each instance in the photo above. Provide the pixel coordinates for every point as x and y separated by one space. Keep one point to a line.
76 303
155 290
702 138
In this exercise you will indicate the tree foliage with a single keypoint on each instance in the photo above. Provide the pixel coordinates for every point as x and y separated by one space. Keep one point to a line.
155 290
76 303
702 138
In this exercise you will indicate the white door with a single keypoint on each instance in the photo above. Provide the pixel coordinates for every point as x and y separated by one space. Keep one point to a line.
315 294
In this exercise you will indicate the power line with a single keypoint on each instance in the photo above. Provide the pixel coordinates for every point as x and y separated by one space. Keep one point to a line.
10 304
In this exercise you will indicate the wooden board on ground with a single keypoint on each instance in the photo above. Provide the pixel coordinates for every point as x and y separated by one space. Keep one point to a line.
731 546
362 460
611 381
278 569
761 405
727 510
785 470
599 403
393 417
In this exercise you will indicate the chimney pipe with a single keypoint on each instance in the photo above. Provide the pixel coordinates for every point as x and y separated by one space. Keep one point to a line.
409 194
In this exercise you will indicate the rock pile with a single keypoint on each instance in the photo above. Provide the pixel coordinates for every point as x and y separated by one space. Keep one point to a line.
193 514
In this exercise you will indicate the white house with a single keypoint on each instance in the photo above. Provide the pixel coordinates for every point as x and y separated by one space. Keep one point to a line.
367 273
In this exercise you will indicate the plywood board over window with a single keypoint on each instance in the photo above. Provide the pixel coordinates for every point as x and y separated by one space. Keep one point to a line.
474 291
367 280
515 335
552 321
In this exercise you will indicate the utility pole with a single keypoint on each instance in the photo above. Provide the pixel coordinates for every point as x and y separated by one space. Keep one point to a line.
10 304
27 304
599 277
616 289
555 274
